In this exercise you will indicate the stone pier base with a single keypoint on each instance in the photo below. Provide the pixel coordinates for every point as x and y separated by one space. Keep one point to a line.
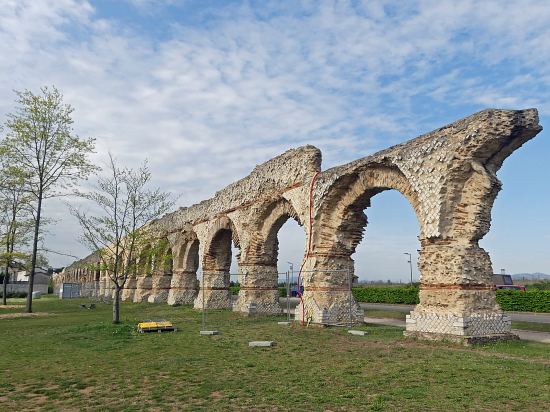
181 296
258 302
129 290
214 299
329 308
460 328
108 291
143 289
464 340
214 290
160 288
183 288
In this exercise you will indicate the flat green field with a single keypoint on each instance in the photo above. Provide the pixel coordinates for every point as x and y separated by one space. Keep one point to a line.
75 359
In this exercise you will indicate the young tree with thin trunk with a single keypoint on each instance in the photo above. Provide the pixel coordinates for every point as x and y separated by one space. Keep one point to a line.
118 233
41 142
16 221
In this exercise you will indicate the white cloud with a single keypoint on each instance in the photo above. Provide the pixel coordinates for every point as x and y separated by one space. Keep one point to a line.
207 103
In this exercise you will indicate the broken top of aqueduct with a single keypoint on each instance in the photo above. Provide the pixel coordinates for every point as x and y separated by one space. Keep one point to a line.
449 178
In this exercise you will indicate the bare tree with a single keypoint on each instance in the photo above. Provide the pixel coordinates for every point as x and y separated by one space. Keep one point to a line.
41 142
119 231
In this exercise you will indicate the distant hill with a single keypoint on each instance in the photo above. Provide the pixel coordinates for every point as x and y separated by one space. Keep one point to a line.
531 276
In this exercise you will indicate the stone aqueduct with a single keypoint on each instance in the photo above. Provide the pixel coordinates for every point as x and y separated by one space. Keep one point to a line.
449 178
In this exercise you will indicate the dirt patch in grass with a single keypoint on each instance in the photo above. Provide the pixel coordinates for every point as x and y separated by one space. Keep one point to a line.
87 390
11 306
23 315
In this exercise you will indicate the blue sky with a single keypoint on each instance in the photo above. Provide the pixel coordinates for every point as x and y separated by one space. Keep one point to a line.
208 89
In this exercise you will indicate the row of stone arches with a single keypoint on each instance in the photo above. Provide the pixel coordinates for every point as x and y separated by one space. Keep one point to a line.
209 245
338 228
449 178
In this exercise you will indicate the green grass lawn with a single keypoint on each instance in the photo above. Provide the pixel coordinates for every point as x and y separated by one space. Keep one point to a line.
76 359
393 314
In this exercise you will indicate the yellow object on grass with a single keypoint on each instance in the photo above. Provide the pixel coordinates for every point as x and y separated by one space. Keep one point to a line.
155 326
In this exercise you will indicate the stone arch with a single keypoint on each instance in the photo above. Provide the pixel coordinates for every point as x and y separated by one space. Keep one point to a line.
342 220
183 287
273 222
162 271
338 228
217 251
259 267
144 275
145 264
263 245
188 256
130 286
216 264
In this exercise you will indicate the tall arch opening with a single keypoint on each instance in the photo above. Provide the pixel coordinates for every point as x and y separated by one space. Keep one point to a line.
391 234
216 265
267 256
340 227
291 243
162 271
144 279
184 285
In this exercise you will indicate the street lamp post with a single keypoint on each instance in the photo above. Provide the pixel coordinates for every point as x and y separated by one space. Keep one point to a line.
410 265
289 280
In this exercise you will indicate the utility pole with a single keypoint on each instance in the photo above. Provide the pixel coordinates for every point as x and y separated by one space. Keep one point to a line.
289 280
410 265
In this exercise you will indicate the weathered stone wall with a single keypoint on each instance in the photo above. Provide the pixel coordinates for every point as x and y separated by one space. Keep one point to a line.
449 178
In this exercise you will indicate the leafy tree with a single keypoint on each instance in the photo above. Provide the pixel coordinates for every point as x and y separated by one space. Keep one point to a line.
118 234
40 141
16 221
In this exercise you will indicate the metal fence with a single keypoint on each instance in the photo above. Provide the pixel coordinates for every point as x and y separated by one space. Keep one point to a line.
69 290
345 315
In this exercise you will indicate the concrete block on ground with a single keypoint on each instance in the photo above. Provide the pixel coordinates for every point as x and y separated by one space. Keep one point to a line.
209 332
261 343
358 332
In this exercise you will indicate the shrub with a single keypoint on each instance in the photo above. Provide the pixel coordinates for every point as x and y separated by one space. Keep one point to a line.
529 301
542 285
516 300
404 295
14 294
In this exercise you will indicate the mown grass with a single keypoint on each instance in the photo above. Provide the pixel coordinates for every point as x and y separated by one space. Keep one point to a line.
393 314
76 359
539 327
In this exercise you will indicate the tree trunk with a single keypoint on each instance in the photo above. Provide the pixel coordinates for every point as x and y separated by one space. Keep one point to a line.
116 305
34 254
5 287
6 271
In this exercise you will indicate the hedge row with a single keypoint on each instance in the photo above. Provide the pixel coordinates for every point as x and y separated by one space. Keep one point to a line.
516 300
14 294
406 295
528 301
